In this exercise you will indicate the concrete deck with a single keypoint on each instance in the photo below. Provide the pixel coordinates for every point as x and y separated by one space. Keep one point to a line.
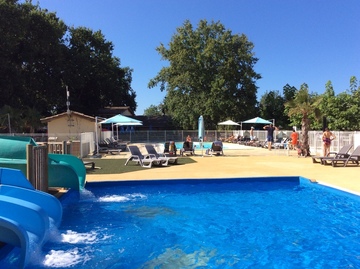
247 162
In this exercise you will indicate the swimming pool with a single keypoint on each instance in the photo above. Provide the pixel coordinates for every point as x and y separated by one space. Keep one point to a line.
223 223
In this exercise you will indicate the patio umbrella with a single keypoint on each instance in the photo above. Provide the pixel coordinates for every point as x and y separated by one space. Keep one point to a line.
228 122
257 120
121 120
201 132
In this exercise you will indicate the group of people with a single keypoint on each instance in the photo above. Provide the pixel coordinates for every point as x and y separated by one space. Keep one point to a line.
327 137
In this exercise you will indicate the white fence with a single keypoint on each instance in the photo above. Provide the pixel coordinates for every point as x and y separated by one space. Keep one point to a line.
87 140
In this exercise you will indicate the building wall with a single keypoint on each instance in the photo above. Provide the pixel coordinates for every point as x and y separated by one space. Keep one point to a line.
69 128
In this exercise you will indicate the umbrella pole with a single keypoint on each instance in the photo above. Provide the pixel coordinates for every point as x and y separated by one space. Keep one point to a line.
96 153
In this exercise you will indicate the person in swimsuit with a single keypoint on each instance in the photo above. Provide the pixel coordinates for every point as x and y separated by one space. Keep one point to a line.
294 139
327 137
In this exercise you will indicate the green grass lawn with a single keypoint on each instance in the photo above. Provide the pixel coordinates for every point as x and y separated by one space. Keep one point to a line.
117 166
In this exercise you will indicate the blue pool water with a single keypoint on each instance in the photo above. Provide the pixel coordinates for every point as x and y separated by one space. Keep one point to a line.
227 223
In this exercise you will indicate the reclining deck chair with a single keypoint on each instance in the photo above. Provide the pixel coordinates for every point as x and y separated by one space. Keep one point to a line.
188 148
152 152
170 149
217 148
343 153
105 149
353 158
144 160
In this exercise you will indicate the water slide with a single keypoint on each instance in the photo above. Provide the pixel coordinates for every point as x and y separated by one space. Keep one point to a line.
65 170
26 215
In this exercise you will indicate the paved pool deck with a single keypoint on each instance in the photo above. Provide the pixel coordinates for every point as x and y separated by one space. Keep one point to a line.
246 161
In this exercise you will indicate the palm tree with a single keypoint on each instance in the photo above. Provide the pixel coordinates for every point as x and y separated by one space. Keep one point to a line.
304 105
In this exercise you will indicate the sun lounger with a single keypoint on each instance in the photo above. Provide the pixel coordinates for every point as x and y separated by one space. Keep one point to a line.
152 152
103 149
170 149
113 144
144 160
188 148
343 153
352 158
217 148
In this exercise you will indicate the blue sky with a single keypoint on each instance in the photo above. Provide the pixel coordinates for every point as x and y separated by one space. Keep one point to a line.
296 41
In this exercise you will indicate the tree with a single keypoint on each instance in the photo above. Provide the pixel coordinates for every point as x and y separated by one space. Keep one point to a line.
40 56
304 105
30 55
153 111
272 107
94 77
210 73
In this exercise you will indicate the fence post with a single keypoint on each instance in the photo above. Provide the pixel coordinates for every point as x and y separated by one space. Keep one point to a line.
37 167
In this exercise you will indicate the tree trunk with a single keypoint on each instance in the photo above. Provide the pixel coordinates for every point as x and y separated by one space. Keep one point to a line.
305 136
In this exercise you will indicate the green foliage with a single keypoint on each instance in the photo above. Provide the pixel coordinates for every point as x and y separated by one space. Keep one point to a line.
304 105
210 73
153 111
342 111
272 107
39 55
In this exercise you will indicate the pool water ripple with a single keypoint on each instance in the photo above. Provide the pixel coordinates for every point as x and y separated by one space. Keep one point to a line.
209 225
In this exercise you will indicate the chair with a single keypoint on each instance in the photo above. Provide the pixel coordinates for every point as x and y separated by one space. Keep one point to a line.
353 158
170 149
152 152
188 148
217 148
108 150
112 143
343 153
144 160
282 144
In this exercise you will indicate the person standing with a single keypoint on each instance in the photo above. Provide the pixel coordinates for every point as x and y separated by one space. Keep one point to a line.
270 134
294 139
251 133
327 137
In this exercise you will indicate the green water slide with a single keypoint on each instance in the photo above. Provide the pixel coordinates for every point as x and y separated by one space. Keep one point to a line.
64 170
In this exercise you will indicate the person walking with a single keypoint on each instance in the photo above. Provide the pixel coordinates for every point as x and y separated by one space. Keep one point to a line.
270 134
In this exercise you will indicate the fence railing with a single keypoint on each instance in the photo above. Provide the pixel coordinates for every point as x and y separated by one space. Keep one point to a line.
87 143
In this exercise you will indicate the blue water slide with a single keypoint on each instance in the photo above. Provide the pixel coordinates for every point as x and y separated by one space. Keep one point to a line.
20 221
14 177
12 233
30 216
47 202
26 215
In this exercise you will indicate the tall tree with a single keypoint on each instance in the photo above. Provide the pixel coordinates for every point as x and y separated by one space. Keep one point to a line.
272 107
210 73
31 50
40 55
94 77
305 105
